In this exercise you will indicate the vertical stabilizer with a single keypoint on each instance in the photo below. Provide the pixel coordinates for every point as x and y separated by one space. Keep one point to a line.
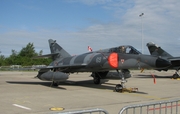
156 50
57 51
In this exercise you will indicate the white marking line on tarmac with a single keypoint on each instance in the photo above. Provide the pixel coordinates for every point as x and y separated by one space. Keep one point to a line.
21 106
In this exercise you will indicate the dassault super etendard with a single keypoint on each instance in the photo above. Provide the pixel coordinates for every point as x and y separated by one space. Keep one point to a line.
98 62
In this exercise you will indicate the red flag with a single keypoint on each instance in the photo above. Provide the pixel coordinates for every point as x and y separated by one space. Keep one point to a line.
89 48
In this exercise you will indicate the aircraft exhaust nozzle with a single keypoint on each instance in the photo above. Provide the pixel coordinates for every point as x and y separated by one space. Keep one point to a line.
53 76
161 63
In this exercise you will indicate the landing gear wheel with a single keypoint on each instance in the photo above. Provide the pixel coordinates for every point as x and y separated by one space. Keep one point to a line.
175 76
96 80
55 83
118 88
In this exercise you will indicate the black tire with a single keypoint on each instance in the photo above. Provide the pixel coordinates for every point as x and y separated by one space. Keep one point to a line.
55 84
118 88
175 76
96 80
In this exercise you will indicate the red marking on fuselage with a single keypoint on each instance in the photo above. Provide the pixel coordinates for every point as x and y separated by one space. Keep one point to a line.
113 60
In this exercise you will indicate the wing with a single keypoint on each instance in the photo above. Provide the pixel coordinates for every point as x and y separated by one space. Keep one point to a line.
175 61
73 66
44 56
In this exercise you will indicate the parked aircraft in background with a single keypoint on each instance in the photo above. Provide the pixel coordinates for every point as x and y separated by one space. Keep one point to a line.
98 62
159 52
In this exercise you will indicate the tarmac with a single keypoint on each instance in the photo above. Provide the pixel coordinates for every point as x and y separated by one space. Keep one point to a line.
21 93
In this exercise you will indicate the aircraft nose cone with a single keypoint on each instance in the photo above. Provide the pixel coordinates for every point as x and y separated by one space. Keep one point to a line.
162 63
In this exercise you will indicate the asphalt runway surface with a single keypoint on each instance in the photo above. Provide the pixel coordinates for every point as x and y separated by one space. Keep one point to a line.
21 93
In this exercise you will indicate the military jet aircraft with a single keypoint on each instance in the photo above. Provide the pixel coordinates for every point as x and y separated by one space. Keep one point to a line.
158 51
98 62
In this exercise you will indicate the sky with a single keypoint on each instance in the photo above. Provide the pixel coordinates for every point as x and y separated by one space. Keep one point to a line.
100 24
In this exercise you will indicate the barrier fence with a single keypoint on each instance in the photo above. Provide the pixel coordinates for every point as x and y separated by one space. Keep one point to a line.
160 107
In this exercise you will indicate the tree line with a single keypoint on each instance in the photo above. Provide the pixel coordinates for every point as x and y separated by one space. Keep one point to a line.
24 57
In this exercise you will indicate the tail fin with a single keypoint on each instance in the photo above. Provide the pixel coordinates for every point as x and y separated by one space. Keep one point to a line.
156 50
57 51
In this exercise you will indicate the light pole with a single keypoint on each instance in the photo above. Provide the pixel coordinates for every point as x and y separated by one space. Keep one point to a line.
142 40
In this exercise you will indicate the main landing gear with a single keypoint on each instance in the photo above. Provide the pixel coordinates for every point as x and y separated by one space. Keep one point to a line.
54 83
176 75
98 76
96 79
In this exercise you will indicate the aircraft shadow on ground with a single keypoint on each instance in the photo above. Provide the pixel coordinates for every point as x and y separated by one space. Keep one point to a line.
84 83
47 84
89 84
140 92
150 76
106 85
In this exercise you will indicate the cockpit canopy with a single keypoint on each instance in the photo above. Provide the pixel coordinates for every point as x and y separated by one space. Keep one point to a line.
125 49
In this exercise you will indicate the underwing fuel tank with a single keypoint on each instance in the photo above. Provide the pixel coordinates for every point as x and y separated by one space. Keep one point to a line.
53 76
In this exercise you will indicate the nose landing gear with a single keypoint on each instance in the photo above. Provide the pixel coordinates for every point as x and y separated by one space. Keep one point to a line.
121 87
176 75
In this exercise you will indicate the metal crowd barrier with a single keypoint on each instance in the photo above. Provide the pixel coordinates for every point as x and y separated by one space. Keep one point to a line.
160 107
88 111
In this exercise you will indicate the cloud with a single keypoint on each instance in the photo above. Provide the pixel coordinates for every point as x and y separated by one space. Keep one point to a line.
160 25
160 22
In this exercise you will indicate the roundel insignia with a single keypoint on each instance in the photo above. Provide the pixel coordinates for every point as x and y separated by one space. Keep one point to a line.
113 60
122 61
